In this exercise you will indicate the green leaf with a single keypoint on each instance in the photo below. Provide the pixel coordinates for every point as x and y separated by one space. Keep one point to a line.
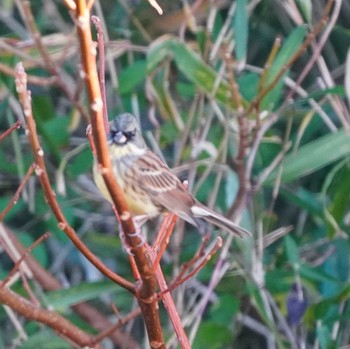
43 340
310 202
240 25
54 132
306 9
224 309
278 280
191 65
132 76
64 298
313 156
103 244
291 45
256 297
292 252
82 163
324 336
212 336
313 274
337 209
231 187
248 85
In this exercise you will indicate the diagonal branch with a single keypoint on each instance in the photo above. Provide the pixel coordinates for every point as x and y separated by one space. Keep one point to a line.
25 99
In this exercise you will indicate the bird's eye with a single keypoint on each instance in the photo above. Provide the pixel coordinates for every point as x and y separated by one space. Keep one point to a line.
130 134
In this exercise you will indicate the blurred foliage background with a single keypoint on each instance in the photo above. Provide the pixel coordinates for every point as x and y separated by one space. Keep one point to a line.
283 289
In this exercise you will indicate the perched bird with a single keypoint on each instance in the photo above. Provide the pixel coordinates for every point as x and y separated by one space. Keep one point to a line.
149 186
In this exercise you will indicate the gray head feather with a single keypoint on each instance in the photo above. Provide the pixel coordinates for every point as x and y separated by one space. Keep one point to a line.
126 127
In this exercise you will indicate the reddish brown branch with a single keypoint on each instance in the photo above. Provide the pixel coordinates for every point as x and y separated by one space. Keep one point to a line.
101 53
163 237
23 257
50 318
15 126
200 256
312 59
170 305
35 80
89 313
17 193
25 99
108 331
146 292
50 66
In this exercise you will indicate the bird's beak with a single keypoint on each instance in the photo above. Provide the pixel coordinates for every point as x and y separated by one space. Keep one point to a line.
119 138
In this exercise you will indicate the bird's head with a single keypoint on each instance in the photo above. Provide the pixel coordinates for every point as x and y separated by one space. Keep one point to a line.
125 130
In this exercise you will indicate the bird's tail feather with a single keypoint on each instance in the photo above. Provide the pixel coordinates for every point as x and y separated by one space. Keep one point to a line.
201 211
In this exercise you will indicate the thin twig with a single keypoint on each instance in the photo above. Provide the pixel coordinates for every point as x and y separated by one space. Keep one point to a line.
101 51
201 255
170 306
17 193
310 37
163 237
49 65
108 331
23 257
239 161
34 80
15 126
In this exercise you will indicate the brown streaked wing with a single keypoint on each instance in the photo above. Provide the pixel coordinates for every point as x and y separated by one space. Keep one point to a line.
154 175
164 187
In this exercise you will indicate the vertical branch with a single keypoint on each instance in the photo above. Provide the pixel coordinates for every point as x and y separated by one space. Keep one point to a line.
101 52
243 127
146 292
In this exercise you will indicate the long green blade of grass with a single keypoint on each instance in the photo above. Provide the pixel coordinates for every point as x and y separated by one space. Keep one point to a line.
313 156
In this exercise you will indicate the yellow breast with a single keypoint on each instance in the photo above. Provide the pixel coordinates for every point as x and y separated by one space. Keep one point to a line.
137 199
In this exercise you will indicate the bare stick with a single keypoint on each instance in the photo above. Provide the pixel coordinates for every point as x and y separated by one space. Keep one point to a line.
170 305
35 80
49 65
50 318
22 258
15 126
101 52
107 332
17 194
200 256
163 237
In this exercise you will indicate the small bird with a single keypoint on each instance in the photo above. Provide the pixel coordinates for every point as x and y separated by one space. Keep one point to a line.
149 186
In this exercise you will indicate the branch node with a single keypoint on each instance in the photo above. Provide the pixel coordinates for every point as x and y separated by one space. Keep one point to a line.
97 105
62 225
125 216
